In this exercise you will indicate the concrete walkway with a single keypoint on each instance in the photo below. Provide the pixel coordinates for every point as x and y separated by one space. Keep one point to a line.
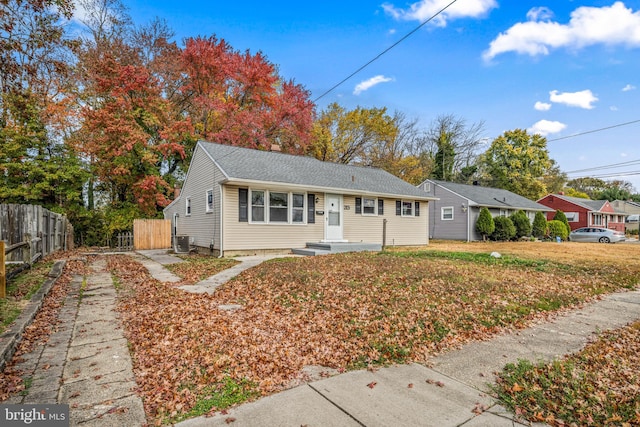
210 284
86 362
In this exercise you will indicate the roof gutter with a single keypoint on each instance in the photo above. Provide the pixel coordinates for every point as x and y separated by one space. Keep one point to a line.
251 182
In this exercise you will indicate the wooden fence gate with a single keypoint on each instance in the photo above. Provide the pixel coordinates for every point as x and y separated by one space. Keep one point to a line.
152 234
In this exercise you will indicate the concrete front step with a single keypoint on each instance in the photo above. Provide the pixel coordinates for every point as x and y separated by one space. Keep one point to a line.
323 248
309 252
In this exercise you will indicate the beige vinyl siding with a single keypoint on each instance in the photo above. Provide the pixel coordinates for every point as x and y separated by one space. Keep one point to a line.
202 227
401 230
239 236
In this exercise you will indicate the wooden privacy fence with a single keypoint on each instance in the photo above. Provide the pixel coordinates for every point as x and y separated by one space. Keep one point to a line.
28 233
45 231
152 234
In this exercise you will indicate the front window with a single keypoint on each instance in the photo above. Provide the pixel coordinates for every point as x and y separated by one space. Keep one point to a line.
407 208
368 206
257 206
504 212
572 216
297 208
597 219
278 207
446 214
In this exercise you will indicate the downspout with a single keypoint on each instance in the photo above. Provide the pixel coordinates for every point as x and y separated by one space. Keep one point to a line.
221 254
468 222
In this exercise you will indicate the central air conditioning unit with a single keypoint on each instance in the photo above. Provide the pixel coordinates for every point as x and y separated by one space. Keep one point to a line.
182 245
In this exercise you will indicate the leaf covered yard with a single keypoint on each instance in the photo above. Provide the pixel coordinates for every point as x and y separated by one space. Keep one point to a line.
346 311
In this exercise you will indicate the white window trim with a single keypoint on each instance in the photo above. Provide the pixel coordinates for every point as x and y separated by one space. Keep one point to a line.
187 206
575 216
375 206
267 219
442 209
413 208
208 208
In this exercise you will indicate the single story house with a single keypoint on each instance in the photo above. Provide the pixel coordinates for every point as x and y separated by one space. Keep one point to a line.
632 209
585 212
239 201
454 214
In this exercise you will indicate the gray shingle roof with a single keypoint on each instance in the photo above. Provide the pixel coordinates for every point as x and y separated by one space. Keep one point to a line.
492 197
244 164
594 205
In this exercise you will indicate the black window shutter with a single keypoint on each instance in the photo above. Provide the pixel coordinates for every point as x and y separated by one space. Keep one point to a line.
417 208
380 207
243 210
358 205
311 208
398 207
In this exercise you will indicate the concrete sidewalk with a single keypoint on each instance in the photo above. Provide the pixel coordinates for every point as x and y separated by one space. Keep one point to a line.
86 362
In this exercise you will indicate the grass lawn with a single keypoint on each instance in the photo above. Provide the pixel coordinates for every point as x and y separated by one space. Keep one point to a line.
19 292
345 311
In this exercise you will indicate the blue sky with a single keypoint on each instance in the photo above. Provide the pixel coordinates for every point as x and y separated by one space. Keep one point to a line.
557 67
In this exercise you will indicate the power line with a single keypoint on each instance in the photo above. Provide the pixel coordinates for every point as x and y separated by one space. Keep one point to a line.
383 52
593 131
611 175
613 165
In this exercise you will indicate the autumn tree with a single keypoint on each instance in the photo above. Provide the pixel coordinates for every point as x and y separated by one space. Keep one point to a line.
130 133
371 137
239 99
517 161
35 165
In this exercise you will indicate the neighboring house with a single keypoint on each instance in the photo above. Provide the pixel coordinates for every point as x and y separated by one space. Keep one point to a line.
630 208
237 200
585 212
454 215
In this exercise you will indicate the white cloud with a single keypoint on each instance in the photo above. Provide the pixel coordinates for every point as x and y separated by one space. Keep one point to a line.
425 9
539 14
545 127
613 108
609 25
627 88
623 154
368 84
583 99
542 106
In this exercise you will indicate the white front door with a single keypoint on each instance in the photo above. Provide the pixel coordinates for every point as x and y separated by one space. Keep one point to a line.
333 218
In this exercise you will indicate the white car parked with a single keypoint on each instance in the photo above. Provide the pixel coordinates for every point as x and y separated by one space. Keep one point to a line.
596 235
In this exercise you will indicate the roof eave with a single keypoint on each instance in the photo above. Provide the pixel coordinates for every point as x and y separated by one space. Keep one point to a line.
250 182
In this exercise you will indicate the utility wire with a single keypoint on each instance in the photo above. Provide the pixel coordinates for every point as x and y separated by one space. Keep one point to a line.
611 166
384 51
593 131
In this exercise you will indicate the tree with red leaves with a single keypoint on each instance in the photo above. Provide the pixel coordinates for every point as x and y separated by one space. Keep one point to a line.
239 99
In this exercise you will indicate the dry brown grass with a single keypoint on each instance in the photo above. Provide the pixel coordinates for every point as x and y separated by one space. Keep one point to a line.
566 252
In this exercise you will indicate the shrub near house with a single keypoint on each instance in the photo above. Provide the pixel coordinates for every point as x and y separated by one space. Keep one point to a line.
558 229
